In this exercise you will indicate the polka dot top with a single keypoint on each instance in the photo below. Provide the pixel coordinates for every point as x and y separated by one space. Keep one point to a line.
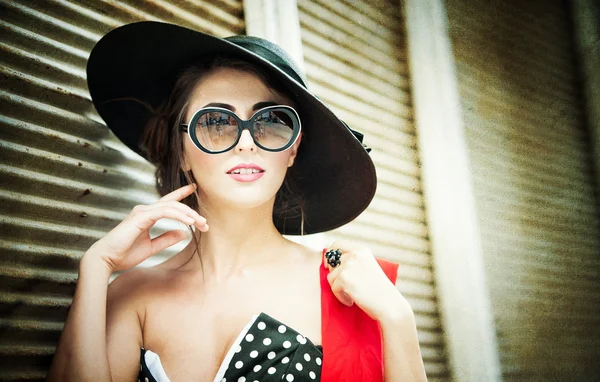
265 350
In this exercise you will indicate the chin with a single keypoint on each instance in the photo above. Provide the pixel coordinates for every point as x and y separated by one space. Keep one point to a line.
250 203
252 198
244 197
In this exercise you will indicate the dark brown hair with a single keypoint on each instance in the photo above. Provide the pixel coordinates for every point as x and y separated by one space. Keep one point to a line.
163 140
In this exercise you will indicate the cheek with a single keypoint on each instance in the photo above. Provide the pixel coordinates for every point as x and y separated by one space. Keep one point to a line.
283 161
196 160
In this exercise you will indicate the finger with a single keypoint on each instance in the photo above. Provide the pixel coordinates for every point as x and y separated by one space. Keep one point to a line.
338 245
200 220
148 217
179 193
334 273
337 288
167 239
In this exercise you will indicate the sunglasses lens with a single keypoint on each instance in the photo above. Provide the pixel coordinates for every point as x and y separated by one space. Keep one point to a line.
216 130
274 128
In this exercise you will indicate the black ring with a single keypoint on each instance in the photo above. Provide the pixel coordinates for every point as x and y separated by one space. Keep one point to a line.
333 257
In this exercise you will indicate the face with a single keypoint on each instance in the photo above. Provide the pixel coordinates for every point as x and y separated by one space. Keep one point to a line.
231 178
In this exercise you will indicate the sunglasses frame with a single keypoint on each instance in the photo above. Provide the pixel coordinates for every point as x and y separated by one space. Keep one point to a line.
244 124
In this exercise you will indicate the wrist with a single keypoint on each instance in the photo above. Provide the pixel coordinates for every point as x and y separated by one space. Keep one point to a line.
92 263
397 312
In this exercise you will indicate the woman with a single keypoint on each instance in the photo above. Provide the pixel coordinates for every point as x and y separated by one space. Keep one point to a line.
244 153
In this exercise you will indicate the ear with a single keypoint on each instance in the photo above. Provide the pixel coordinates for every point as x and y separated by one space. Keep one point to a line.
294 150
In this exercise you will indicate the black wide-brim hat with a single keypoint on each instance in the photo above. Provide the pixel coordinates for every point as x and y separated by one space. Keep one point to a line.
141 61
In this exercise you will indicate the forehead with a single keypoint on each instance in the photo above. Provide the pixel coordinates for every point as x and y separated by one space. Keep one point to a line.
239 88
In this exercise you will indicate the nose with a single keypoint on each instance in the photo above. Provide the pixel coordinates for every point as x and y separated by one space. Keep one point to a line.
246 143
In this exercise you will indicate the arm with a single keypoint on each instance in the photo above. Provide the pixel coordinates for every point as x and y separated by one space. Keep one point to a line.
82 353
401 352
100 347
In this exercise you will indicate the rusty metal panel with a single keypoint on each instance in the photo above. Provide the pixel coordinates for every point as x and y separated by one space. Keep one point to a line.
356 61
533 177
62 173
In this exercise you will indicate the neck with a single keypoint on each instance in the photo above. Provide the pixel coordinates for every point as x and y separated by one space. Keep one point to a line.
238 240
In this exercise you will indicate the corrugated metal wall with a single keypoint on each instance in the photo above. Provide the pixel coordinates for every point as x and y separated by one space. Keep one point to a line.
355 58
533 177
61 172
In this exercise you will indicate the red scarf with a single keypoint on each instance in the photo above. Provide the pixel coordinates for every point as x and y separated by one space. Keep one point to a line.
352 343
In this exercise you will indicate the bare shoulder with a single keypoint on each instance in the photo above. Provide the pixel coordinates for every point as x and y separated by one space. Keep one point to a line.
136 286
307 256
129 296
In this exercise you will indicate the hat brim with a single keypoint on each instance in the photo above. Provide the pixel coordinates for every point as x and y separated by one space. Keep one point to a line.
142 61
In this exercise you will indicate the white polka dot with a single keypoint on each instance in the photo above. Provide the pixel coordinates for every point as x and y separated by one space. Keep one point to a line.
318 361
223 380
261 325
146 379
287 344
301 339
249 337
238 349
257 368
299 366
271 355
285 360
267 341
281 329
253 354
306 357
241 379
271 370
312 375
239 364
289 377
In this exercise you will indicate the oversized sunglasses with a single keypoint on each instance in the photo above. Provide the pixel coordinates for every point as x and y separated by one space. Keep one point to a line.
215 130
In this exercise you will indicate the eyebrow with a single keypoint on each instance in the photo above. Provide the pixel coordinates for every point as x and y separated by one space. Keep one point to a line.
256 106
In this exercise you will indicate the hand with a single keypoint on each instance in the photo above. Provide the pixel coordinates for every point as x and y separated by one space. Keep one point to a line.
129 243
359 279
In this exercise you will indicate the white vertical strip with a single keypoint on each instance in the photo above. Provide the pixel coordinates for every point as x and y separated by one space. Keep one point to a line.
586 20
260 17
276 21
447 183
